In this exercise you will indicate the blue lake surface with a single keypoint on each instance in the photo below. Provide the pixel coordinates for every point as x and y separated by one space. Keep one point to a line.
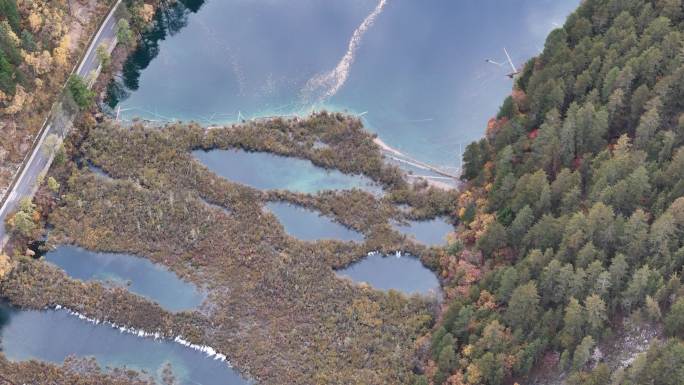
431 233
54 335
267 171
139 275
309 225
417 69
405 274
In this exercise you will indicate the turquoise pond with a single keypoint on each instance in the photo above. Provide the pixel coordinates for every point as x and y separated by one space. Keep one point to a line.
267 171
309 225
416 71
403 273
30 334
138 275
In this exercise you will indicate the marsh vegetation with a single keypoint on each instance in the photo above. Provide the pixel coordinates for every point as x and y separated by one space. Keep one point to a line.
267 291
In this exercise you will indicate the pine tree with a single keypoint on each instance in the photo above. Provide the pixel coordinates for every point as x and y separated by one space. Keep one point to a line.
583 353
596 313
573 323
523 307
674 322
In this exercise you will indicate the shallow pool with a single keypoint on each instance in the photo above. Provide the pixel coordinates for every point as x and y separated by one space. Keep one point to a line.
31 334
431 233
139 275
267 171
404 273
308 225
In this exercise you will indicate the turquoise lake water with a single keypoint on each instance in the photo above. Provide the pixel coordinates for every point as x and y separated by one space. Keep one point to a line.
417 72
32 334
309 225
266 171
138 275
405 274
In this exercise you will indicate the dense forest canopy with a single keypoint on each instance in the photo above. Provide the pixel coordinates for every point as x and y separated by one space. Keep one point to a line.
10 56
35 46
575 200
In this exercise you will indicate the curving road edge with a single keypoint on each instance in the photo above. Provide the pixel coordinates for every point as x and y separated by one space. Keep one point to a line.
39 161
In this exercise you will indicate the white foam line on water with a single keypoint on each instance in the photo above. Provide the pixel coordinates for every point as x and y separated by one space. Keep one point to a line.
207 350
331 82
397 254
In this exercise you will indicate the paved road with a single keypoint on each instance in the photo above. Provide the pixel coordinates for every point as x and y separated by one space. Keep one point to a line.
106 35
40 159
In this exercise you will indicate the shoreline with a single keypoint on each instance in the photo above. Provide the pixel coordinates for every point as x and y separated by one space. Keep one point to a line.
403 158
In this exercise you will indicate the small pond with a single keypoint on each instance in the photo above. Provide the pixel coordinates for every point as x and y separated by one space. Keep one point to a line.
403 273
139 275
308 225
430 233
30 334
97 170
267 171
